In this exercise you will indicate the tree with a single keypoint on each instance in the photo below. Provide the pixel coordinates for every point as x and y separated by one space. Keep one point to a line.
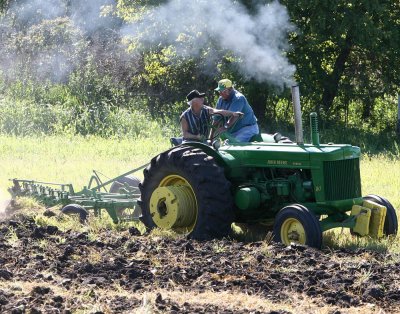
186 48
346 50
4 5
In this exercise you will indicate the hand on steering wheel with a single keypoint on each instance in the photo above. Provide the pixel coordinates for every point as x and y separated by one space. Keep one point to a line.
219 124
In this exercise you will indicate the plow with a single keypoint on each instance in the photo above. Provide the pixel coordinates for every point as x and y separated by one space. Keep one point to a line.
120 200
298 189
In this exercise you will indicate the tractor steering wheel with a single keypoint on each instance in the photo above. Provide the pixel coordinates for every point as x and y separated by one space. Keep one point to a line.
220 125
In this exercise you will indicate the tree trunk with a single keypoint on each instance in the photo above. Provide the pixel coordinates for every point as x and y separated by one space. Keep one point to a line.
257 96
398 117
259 107
367 109
331 84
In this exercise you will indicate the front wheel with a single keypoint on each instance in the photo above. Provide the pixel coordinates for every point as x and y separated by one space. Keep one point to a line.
184 190
296 223
391 225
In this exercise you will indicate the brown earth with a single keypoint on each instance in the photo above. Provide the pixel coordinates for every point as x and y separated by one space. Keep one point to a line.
45 270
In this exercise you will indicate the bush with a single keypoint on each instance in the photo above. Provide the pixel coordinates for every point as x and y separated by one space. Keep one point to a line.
26 118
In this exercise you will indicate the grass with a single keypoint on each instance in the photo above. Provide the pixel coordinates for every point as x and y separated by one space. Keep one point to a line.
72 159
12 237
341 238
380 175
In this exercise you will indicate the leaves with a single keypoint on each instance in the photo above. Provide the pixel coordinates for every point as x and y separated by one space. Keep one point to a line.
345 50
133 54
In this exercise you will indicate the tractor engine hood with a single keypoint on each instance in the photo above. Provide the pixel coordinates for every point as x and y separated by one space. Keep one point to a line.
306 156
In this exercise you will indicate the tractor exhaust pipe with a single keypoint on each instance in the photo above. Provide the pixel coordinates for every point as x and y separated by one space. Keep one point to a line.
298 124
314 128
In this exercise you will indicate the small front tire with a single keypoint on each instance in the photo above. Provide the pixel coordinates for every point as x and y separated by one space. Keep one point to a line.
296 223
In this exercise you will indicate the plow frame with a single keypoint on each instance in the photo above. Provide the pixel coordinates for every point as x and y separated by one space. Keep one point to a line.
90 198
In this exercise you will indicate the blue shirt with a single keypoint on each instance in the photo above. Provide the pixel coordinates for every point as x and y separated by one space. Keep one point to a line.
237 102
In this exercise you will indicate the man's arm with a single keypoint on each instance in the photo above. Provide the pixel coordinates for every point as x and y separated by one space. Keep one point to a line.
225 113
185 131
231 116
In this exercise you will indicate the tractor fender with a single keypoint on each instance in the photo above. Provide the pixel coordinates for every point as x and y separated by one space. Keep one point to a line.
224 160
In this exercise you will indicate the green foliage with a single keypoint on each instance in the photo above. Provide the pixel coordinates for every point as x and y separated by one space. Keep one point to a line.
4 4
373 134
133 10
27 118
62 80
346 126
370 142
166 78
345 51
12 237
24 118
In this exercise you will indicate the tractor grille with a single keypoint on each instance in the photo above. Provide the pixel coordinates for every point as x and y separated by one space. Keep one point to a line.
342 179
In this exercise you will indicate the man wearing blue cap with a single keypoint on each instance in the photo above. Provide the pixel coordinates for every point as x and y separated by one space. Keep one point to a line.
232 100
195 120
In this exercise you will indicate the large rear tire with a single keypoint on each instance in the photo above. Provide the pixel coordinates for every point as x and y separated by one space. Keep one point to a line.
297 224
185 190
391 224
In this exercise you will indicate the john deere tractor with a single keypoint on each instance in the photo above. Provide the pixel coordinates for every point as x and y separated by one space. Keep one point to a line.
300 189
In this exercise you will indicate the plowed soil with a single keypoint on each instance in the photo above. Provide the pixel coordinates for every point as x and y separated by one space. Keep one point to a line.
46 270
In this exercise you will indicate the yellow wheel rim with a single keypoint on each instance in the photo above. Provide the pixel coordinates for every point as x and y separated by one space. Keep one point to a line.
292 230
173 205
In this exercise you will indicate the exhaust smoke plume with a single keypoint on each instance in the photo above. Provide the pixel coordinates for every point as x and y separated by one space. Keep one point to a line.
257 41
215 28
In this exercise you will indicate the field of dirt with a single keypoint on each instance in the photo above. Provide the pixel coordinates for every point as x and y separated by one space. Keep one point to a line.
45 270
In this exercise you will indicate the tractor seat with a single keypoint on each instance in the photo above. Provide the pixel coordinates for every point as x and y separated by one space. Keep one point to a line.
175 141
256 138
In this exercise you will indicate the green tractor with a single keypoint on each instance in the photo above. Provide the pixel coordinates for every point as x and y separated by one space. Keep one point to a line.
301 190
